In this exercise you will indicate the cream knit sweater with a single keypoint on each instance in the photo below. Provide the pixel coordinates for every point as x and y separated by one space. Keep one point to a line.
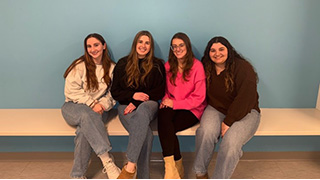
75 86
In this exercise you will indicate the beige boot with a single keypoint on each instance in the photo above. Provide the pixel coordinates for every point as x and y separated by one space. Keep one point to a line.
171 172
180 168
126 175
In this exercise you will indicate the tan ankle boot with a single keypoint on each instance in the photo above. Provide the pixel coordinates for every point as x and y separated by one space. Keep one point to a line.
171 172
180 168
126 175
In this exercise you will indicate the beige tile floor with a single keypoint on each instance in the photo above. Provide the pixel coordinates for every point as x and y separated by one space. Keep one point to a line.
52 167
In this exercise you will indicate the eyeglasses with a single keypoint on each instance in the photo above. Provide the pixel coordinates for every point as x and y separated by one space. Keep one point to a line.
175 47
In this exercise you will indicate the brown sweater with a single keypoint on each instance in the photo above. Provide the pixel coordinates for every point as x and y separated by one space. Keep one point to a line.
238 103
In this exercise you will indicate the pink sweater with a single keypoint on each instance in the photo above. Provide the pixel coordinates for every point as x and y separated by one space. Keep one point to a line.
190 95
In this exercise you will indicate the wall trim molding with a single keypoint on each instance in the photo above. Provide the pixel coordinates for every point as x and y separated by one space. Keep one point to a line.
156 156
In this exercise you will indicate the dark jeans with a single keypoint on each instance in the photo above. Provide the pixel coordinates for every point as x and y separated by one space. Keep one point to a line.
169 123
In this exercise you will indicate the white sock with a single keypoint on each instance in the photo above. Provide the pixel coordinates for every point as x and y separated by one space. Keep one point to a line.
105 157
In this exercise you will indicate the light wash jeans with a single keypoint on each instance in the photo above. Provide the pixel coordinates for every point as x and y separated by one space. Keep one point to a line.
91 135
137 124
230 148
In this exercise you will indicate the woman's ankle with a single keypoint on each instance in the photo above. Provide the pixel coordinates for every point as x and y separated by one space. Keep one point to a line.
131 167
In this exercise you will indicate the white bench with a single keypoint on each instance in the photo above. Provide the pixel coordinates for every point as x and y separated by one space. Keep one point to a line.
49 122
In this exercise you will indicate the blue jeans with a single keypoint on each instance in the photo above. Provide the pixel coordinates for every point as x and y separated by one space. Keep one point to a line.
230 149
137 123
91 135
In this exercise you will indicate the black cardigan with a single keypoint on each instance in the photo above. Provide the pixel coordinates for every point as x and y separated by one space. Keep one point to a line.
154 84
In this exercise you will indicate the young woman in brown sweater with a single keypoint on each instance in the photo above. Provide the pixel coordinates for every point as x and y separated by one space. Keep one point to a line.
232 113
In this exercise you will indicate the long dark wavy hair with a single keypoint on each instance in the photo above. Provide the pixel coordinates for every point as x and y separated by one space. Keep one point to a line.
233 55
134 76
92 81
174 62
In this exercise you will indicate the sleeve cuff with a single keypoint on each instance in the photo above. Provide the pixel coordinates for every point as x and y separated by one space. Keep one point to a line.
136 103
228 121
90 102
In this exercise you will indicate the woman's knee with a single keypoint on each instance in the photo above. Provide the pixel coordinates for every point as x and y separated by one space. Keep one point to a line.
88 116
149 106
209 126
208 132
147 109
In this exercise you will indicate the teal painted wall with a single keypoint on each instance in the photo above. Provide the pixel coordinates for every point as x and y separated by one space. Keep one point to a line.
40 38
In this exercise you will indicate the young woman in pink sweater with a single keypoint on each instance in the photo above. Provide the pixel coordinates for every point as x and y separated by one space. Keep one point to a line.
183 103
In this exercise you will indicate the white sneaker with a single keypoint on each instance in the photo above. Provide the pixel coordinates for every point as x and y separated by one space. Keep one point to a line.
111 169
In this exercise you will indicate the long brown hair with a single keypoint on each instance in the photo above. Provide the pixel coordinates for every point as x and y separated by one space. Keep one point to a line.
92 81
134 76
233 55
173 62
